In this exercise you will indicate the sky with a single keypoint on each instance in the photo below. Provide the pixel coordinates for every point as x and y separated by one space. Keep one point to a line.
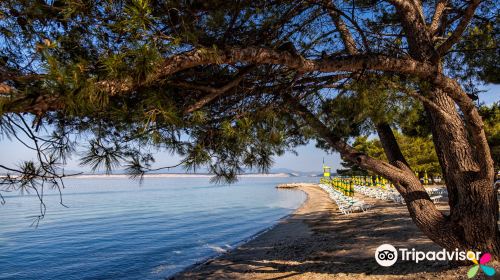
309 158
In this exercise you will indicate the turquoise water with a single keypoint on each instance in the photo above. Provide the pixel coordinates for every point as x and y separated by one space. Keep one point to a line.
116 229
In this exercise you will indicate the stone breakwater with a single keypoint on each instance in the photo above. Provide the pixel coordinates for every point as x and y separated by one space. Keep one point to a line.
295 185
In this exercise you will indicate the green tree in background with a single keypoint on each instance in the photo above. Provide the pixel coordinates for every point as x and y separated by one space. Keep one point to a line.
491 118
228 85
418 151
417 146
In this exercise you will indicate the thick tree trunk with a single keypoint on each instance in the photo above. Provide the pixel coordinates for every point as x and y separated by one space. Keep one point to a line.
460 145
422 210
426 216
472 197
424 213
472 223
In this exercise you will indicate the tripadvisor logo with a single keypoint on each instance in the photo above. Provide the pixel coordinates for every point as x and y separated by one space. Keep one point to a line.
388 255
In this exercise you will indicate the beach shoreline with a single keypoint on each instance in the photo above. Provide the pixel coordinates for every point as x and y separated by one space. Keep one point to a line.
214 257
285 219
317 242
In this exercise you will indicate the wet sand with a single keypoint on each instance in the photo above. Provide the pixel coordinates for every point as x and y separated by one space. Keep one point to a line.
318 242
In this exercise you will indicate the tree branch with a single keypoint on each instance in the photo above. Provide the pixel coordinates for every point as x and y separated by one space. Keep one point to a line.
425 100
436 18
390 144
257 55
378 166
413 22
474 122
6 89
252 55
346 35
462 25
213 93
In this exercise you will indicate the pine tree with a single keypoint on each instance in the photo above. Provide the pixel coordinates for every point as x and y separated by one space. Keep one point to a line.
228 85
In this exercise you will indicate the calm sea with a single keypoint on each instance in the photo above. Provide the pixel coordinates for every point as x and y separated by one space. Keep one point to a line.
116 229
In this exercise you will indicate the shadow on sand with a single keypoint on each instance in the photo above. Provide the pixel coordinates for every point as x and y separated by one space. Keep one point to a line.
327 243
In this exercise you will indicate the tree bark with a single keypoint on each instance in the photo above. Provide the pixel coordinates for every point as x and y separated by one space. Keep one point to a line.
390 144
259 56
459 138
472 196
472 223
436 18
421 208
462 25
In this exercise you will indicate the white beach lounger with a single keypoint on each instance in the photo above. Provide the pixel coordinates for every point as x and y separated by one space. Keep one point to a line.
436 198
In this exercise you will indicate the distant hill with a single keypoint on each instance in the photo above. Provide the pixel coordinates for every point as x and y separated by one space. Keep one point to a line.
203 171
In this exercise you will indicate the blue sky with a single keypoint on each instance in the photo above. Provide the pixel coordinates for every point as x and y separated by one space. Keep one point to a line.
309 158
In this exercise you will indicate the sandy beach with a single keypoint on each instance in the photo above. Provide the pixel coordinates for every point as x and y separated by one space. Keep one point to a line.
318 242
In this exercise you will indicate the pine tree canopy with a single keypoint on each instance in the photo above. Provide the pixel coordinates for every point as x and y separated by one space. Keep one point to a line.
227 84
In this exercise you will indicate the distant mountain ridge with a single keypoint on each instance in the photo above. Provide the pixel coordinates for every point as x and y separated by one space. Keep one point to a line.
201 171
